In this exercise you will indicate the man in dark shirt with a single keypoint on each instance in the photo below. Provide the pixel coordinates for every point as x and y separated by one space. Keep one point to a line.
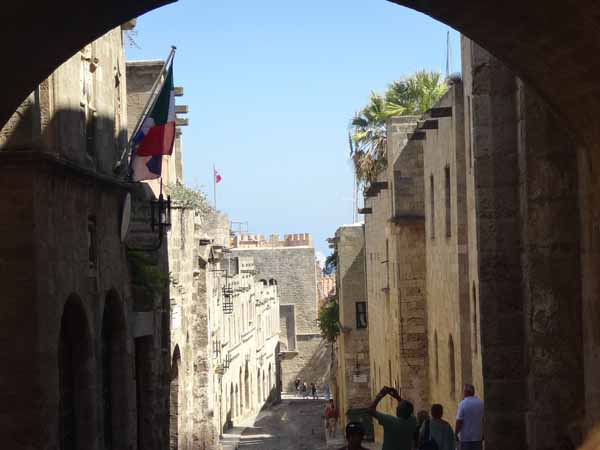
398 432
354 436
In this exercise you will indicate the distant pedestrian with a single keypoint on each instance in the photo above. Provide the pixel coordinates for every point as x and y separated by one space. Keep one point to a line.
297 384
398 432
436 433
304 390
313 390
422 416
469 420
354 436
331 417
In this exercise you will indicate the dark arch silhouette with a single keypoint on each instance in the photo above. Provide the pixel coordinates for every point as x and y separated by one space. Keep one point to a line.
532 43
76 368
115 379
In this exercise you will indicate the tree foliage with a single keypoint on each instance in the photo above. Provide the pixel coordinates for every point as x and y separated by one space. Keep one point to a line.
331 264
188 197
413 95
145 274
329 320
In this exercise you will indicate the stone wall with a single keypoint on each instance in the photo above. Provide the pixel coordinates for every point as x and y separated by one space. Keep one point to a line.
395 261
293 268
448 306
88 381
528 258
352 347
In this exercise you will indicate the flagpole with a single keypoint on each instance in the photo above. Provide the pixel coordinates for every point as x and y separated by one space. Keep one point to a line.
214 175
149 103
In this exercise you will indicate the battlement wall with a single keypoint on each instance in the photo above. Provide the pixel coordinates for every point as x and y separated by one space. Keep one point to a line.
274 240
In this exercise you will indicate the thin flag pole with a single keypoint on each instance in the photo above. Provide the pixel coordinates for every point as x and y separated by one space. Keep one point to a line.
156 87
214 175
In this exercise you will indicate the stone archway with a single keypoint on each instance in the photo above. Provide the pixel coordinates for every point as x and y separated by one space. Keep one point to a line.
562 38
115 380
77 418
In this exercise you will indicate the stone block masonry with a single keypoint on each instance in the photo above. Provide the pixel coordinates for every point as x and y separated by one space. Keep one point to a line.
292 267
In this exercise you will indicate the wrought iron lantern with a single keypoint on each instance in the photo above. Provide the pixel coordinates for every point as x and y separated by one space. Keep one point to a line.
228 305
216 349
227 362
160 214
227 291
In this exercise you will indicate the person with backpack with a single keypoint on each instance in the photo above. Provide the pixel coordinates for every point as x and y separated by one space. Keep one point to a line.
436 433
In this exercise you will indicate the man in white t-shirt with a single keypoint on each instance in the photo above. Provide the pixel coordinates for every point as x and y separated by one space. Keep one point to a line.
469 420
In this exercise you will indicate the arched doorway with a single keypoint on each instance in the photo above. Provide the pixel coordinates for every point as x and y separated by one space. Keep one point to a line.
258 386
270 380
75 368
231 412
452 368
241 384
115 388
174 399
247 388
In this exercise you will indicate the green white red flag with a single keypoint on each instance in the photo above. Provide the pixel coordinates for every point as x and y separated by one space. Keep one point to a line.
156 135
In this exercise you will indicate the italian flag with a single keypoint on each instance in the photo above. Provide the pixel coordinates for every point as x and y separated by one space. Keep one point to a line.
156 135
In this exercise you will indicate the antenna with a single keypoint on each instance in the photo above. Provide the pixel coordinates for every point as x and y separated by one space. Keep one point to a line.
448 54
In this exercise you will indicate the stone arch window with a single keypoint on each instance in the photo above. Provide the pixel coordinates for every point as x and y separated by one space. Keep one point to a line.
115 377
76 424
264 282
475 329
437 360
272 282
452 368
174 399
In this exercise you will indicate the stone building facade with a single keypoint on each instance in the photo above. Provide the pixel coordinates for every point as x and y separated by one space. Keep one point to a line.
396 271
352 372
505 295
446 233
81 376
291 262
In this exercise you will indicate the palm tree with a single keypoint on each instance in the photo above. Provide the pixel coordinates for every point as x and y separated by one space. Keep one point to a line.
410 96
414 95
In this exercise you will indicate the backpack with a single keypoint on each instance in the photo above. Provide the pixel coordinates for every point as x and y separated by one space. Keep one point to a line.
428 443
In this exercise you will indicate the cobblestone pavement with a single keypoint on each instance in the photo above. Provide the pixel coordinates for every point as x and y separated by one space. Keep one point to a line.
294 424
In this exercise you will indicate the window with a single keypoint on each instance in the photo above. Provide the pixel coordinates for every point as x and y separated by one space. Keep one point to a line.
475 334
361 314
452 366
448 201
432 206
437 361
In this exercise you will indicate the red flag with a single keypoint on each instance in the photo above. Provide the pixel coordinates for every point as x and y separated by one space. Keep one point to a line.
217 177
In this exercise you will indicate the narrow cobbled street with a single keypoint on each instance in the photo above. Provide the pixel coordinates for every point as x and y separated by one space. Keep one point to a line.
293 424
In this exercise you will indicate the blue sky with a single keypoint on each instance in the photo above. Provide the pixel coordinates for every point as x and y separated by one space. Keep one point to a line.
272 86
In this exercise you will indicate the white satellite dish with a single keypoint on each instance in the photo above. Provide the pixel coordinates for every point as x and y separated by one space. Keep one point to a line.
125 216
